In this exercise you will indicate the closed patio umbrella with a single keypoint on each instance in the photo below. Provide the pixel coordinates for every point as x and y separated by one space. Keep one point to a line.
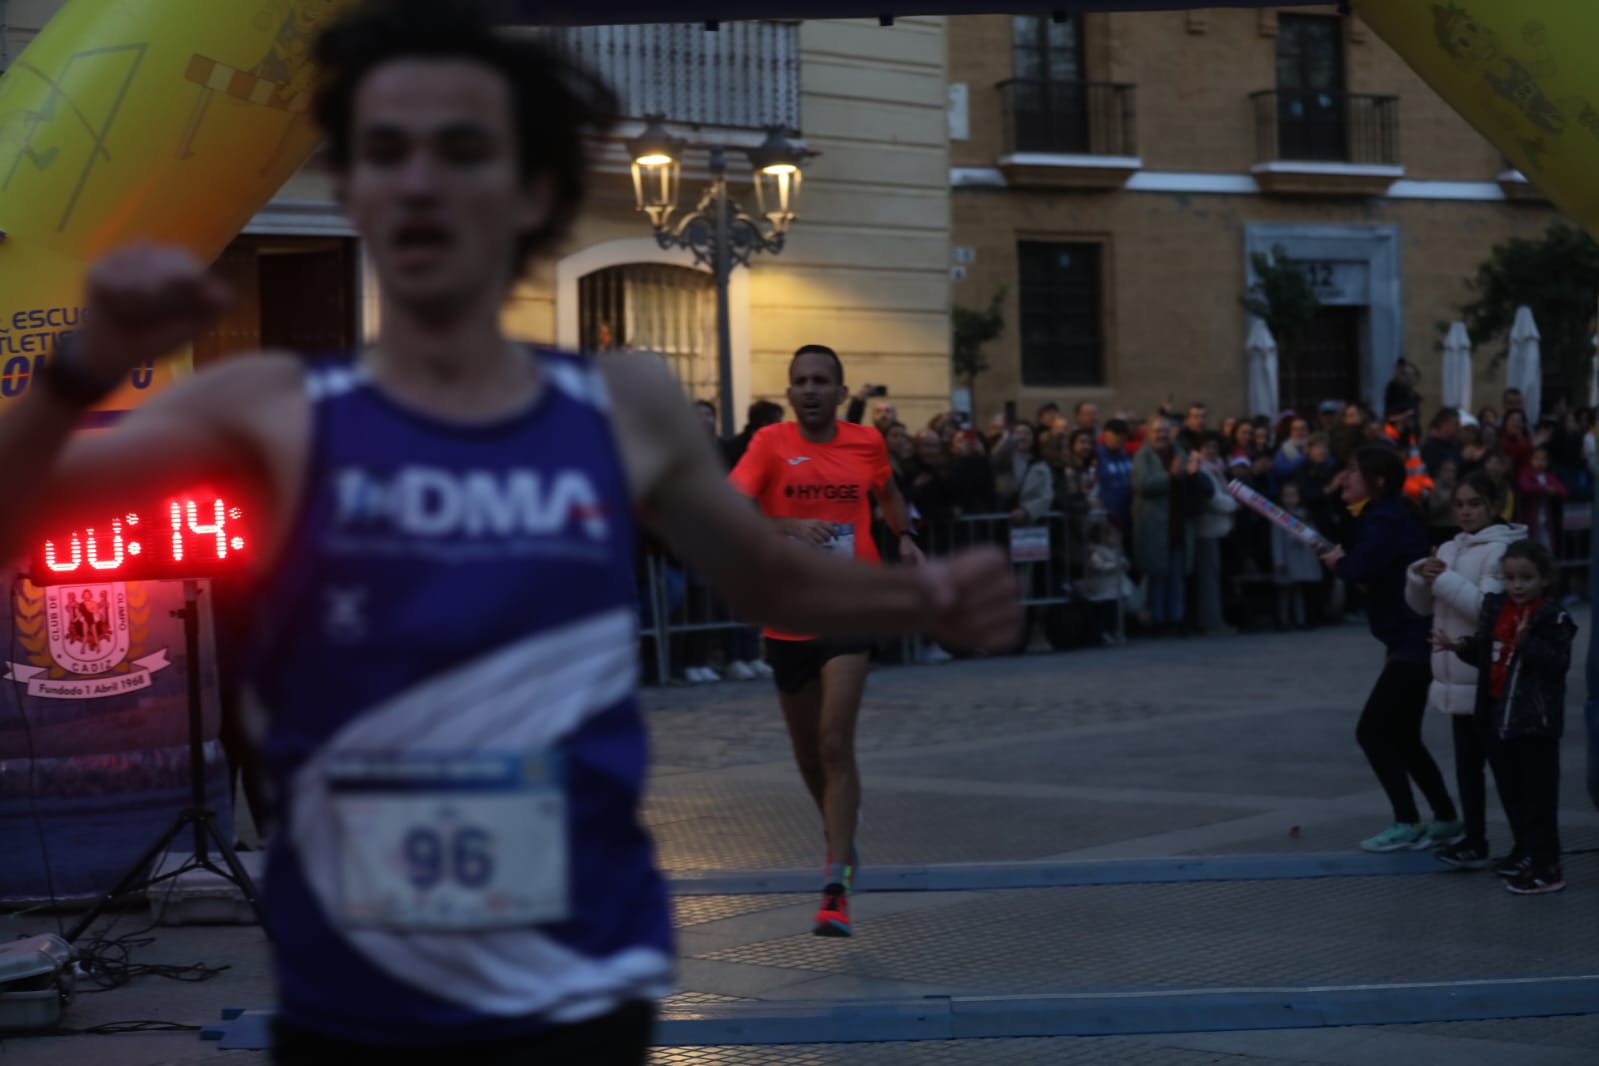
1262 353
1525 369
1457 368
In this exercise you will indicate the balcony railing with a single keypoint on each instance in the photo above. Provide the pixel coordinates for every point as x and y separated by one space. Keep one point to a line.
743 75
1069 117
1326 127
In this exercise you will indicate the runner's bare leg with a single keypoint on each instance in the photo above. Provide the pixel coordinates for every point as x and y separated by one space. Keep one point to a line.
802 711
843 684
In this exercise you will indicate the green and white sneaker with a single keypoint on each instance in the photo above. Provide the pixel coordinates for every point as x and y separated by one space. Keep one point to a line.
1400 836
1440 835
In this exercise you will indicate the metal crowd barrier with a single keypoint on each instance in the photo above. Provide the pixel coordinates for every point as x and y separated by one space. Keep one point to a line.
1040 552
683 624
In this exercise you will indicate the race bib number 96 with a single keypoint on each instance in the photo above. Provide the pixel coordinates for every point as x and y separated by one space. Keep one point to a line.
450 842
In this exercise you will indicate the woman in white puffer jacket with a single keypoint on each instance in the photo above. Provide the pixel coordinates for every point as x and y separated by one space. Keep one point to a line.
1450 586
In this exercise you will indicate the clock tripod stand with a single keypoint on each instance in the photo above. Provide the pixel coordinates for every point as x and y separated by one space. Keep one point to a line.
198 816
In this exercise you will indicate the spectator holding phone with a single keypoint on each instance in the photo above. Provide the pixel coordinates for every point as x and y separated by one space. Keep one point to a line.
884 414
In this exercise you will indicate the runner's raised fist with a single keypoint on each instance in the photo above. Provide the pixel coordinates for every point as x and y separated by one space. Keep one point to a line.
145 301
975 600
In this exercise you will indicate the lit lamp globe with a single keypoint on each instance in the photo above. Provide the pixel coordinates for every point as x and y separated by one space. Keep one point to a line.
777 178
656 170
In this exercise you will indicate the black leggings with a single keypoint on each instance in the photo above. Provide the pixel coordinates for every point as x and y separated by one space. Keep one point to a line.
1471 762
620 1038
1390 734
1527 770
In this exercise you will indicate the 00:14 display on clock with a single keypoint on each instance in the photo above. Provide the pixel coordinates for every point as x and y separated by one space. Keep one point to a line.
188 536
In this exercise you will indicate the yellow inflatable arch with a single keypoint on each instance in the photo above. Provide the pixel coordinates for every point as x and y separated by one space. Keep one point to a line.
174 120
178 119
1523 73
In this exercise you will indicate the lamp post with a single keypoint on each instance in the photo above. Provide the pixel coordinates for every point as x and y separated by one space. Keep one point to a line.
718 231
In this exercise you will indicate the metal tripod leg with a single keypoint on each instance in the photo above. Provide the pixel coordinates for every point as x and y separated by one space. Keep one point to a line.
236 871
198 814
131 879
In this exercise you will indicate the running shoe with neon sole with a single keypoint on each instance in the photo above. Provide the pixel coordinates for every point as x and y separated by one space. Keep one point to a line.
1400 836
833 917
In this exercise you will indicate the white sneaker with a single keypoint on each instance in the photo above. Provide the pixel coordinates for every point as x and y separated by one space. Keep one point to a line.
737 671
932 654
701 675
760 668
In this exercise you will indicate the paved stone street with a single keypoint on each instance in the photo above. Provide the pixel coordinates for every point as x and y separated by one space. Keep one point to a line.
1206 749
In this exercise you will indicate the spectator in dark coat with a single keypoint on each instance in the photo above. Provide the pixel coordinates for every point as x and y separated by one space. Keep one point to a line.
1388 537
762 413
1443 442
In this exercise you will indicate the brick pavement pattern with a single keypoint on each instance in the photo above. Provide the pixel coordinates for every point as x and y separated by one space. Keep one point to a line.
1229 746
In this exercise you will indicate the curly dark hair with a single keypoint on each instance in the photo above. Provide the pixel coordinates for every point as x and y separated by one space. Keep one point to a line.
554 101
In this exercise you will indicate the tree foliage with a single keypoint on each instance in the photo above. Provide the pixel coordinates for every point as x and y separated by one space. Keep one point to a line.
1281 296
970 330
1558 278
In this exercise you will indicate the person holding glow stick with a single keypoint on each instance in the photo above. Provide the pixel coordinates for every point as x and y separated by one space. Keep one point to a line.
1388 538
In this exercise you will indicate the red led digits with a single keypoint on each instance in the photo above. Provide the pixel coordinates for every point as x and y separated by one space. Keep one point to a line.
202 542
116 548
63 568
215 527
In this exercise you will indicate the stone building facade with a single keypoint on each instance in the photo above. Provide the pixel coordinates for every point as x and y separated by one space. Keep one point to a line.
1115 172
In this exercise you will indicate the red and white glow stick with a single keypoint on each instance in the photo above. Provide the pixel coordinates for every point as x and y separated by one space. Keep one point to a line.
1279 517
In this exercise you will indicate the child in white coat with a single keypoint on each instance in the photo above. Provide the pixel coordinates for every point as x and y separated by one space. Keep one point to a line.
1105 582
1450 586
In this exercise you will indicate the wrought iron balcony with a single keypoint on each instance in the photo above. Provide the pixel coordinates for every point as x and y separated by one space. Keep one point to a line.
1091 118
1358 129
744 75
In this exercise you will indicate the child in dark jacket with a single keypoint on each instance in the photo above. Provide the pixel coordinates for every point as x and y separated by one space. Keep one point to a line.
1522 649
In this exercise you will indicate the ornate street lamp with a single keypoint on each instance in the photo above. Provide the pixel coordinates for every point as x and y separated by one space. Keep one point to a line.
777 179
719 232
657 167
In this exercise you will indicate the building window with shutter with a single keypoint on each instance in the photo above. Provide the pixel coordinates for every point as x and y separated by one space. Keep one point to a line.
1061 328
1310 88
1050 103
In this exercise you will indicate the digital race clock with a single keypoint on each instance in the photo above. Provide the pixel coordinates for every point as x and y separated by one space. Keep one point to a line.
194 535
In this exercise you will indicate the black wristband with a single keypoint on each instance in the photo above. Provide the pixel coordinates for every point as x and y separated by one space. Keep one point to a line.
66 379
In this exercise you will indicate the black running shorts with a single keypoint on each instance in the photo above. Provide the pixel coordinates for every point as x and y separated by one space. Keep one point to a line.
796 663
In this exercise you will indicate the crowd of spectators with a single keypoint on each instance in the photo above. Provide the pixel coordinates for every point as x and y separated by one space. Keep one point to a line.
1145 511
1147 539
